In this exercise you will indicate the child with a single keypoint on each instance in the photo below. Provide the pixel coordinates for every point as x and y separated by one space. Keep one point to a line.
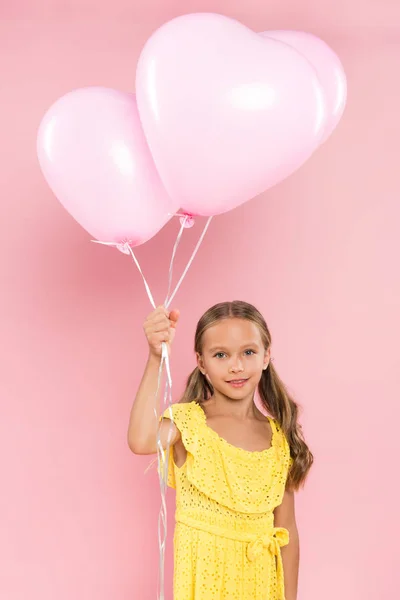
235 471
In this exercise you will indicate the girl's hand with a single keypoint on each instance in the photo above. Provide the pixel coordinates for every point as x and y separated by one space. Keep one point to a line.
160 327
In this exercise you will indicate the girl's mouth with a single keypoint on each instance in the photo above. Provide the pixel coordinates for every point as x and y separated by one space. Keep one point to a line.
237 383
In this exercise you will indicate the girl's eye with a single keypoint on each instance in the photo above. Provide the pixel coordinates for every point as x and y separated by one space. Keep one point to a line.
222 354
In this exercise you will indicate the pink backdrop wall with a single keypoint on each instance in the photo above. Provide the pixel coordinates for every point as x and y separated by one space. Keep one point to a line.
318 255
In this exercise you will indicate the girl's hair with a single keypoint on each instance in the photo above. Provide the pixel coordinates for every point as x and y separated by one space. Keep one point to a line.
273 393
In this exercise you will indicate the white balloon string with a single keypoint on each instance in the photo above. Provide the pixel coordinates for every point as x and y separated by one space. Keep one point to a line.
190 262
125 248
171 265
163 453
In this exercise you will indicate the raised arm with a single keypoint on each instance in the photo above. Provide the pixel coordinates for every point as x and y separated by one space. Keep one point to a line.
143 425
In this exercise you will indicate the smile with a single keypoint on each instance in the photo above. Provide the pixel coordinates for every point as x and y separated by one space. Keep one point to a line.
237 382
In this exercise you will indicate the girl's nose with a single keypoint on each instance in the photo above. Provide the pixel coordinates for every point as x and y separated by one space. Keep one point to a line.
236 368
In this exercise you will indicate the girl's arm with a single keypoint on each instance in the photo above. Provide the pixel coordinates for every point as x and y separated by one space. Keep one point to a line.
143 424
285 517
159 327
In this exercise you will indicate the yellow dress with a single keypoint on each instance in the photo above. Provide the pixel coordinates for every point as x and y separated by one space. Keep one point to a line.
225 544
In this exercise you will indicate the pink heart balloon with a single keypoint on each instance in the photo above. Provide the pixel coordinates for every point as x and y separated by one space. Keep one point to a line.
95 158
329 70
226 113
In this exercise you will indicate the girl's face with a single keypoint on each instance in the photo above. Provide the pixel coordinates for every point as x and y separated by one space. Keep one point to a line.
233 357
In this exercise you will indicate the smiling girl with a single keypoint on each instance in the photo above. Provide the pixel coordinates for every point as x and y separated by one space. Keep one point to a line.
235 470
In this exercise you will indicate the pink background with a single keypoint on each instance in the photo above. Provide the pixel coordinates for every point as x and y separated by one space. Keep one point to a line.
318 255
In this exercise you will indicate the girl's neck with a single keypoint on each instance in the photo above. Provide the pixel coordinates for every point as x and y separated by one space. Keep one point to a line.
243 409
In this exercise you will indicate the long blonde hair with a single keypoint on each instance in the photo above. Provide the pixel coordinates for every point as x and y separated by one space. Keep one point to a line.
273 393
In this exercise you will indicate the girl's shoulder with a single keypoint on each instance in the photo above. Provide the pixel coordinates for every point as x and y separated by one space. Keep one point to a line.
184 413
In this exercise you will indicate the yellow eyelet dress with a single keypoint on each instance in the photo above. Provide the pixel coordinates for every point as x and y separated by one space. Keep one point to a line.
225 544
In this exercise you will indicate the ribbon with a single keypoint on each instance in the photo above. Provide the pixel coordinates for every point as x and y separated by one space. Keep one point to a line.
186 221
273 542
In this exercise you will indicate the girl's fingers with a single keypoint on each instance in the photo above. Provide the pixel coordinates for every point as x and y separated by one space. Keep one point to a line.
160 327
157 319
174 317
161 337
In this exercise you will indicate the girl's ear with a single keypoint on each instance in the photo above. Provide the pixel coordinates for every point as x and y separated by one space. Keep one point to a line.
200 362
267 358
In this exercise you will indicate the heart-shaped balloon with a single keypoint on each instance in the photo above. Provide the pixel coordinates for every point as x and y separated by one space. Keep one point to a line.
226 112
95 158
329 69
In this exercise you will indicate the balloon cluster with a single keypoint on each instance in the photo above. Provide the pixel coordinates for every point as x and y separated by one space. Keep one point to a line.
221 114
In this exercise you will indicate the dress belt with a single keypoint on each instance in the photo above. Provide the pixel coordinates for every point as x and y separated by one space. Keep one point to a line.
272 540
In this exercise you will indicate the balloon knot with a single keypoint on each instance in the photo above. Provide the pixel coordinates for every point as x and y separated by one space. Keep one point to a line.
186 219
124 247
